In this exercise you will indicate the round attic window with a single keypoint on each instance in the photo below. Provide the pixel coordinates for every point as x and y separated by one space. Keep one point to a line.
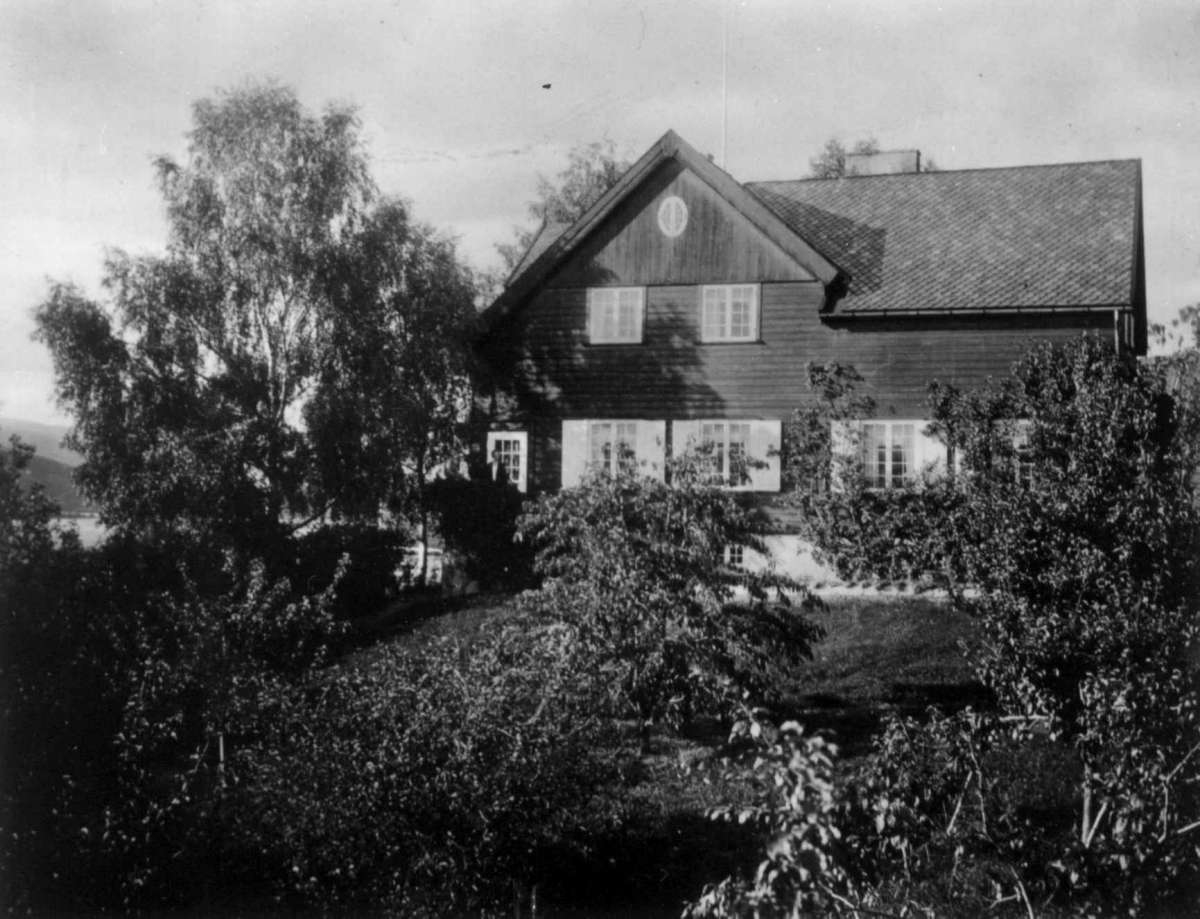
672 216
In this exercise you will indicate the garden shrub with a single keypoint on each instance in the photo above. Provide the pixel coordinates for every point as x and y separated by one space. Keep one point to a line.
1072 533
368 580
433 778
477 519
634 568
796 808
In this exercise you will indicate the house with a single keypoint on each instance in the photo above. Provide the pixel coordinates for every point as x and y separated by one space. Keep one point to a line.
684 307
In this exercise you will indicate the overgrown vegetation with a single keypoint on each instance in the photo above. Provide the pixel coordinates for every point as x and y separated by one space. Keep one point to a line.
1071 534
636 569
184 722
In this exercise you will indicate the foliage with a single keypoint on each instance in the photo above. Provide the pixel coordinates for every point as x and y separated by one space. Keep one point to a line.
435 778
830 163
865 534
1179 366
634 567
591 170
189 386
796 808
393 383
1073 535
359 560
122 683
477 519
186 390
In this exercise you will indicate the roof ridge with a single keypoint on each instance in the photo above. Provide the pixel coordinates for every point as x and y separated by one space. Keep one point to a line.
944 172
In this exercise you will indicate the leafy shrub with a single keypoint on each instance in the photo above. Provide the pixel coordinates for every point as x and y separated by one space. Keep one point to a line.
477 519
1073 535
434 778
371 556
634 568
796 808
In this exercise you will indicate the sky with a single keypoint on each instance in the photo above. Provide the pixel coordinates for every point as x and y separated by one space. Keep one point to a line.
458 120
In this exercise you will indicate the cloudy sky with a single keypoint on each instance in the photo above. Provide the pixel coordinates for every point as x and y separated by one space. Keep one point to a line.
452 101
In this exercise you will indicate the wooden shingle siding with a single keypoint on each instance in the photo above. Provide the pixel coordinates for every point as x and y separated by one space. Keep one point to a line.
718 244
671 374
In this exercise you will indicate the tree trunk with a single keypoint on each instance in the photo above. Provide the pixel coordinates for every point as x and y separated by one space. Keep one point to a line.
1085 824
424 517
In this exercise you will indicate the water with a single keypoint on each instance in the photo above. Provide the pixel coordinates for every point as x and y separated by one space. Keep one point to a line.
90 530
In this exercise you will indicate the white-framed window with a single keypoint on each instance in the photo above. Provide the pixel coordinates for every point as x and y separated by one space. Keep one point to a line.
728 447
508 457
612 445
729 312
735 556
889 453
743 454
615 314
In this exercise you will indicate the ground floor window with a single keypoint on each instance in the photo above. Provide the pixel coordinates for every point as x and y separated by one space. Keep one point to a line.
889 453
508 457
612 445
741 454
728 446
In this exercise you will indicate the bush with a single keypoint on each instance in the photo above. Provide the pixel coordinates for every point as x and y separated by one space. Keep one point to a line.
436 779
796 808
368 576
477 519
1073 535
634 569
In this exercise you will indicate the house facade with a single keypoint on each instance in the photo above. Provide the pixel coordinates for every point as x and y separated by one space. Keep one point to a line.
684 307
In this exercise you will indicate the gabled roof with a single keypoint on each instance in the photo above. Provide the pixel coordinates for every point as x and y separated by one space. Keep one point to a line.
1025 238
553 244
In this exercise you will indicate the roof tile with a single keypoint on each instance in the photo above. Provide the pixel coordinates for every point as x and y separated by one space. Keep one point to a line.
1026 237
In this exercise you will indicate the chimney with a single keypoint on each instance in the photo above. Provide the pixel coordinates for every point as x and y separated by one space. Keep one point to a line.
886 162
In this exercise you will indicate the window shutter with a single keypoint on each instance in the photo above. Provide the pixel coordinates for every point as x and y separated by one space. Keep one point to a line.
574 451
764 447
652 448
843 448
931 452
685 435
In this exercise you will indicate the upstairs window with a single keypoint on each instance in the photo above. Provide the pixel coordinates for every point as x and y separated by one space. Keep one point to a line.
729 312
889 453
612 446
615 314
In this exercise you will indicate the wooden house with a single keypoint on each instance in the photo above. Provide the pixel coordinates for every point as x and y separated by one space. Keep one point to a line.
685 307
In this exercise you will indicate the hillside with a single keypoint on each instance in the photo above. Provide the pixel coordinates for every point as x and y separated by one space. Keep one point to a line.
45 438
52 464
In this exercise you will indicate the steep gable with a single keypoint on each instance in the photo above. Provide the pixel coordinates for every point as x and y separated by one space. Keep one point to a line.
599 247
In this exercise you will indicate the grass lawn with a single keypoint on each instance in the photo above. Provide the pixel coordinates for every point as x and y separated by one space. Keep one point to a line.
881 654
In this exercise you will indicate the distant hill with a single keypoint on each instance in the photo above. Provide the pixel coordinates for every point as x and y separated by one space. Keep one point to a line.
45 438
52 464
58 480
